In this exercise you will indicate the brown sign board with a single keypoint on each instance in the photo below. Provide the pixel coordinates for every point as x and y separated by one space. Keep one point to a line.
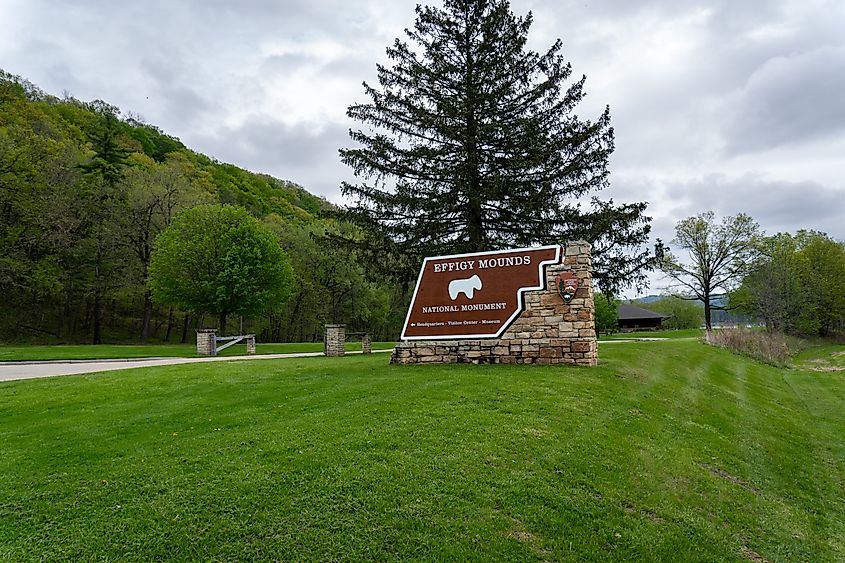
475 295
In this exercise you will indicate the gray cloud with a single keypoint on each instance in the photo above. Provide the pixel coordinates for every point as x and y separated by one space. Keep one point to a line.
779 206
287 63
789 100
178 100
717 104
286 151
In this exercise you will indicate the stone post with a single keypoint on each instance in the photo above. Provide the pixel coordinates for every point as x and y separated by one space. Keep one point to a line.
206 343
250 345
366 343
335 340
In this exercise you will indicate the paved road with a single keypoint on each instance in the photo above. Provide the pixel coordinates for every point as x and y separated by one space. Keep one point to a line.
11 371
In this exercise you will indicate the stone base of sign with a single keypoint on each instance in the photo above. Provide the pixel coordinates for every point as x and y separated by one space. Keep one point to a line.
549 331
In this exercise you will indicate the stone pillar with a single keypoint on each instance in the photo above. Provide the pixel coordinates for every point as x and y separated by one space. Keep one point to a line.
250 345
335 340
366 343
206 343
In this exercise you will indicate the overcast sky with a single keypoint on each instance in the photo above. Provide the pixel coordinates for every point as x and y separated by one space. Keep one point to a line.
732 106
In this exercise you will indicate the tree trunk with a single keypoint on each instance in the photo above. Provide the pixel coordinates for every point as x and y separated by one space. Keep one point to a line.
98 298
169 325
223 324
61 319
293 315
707 313
186 322
148 315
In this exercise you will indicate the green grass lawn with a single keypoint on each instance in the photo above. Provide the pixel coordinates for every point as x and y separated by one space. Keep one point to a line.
669 451
674 334
111 351
824 357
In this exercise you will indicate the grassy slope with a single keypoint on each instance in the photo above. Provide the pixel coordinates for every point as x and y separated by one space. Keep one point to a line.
673 334
822 357
108 351
668 451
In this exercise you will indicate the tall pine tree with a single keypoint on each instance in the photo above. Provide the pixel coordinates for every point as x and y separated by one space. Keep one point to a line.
473 145
107 202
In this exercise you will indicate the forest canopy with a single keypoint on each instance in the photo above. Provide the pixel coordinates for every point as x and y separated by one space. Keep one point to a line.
84 192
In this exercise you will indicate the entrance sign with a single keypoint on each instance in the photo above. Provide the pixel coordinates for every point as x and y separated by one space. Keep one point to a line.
475 295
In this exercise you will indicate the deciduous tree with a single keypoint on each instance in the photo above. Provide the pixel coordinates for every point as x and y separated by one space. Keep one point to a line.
155 193
720 254
607 315
798 285
219 260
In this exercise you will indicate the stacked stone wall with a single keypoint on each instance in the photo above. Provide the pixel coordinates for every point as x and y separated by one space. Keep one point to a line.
549 331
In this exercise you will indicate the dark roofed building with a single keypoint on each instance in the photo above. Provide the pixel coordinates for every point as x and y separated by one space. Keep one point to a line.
636 318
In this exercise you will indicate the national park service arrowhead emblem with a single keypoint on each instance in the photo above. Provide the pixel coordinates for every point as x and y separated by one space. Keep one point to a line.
567 285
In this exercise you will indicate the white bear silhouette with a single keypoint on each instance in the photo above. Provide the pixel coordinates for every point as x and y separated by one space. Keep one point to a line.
467 287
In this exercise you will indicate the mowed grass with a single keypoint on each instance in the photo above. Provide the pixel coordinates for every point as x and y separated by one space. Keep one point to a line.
823 357
672 334
12 353
669 451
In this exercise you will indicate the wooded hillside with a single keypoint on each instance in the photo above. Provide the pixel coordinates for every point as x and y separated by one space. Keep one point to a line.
84 191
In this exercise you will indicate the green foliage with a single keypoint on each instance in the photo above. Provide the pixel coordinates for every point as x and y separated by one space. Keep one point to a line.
606 314
332 286
261 194
473 144
220 260
720 255
84 191
682 313
154 142
109 156
156 192
798 285
41 224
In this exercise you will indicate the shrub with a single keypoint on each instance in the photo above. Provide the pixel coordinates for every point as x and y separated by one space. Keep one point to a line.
682 313
606 314
770 347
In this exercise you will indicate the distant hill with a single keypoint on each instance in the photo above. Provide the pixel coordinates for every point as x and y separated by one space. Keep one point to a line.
718 317
29 112
718 300
647 299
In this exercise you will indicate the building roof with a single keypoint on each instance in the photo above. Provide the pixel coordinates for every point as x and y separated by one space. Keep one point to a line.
625 311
